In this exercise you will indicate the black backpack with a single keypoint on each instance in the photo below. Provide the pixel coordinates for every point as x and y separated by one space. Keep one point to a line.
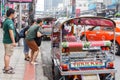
38 39
22 32
17 37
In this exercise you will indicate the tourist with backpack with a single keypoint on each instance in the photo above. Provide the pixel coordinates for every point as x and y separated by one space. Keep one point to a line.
23 35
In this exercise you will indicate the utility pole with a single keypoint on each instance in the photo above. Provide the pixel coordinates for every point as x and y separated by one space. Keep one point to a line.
20 16
1 7
31 11
20 20
73 7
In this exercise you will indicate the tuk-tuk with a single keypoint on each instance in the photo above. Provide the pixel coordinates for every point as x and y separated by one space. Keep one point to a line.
74 59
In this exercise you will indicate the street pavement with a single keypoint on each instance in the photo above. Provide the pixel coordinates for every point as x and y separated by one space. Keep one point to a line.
46 60
17 61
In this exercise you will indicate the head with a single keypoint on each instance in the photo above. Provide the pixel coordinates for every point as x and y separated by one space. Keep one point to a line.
39 22
10 13
33 21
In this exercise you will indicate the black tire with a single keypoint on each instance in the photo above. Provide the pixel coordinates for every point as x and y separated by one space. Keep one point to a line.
105 77
117 48
55 72
45 38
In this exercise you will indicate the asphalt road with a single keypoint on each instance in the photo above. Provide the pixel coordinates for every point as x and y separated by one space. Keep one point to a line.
46 58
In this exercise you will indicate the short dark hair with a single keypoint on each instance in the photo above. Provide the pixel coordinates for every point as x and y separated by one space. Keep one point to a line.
32 21
9 12
39 20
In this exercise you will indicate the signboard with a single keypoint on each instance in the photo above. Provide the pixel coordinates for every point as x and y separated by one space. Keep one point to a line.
9 5
22 1
77 12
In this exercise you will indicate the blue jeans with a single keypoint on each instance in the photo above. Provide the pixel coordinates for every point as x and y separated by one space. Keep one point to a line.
26 48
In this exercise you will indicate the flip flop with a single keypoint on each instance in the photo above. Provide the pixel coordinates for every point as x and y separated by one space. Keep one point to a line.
27 59
10 68
8 71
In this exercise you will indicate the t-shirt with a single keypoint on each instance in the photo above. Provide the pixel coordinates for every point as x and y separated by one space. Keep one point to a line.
32 32
8 25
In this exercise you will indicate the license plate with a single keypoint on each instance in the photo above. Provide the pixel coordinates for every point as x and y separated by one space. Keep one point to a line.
91 64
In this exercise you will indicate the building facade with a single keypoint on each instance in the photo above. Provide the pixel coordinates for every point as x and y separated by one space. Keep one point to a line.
50 4
47 5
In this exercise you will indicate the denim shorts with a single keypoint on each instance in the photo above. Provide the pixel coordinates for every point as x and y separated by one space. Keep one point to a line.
26 48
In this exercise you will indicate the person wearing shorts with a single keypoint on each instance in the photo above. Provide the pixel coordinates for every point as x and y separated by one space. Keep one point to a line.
8 40
33 32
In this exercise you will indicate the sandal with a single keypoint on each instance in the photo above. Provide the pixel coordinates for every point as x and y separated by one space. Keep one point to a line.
10 68
9 71
27 59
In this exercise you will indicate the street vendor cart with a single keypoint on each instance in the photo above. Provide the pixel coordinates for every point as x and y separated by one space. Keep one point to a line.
74 59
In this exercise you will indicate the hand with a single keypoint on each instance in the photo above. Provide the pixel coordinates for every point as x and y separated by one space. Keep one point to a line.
14 44
39 34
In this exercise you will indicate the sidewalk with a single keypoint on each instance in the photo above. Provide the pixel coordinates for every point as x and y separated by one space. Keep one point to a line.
23 70
17 61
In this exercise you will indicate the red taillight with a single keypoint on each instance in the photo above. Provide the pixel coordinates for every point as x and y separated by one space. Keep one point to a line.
110 65
65 50
64 67
105 48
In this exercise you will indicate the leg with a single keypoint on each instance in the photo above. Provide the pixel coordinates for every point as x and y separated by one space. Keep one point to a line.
34 50
35 56
32 53
26 50
6 61
8 53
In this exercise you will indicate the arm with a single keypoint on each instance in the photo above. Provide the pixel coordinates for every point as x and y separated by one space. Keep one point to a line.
11 33
12 37
26 32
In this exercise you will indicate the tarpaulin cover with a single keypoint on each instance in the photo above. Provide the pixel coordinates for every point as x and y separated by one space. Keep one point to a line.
93 21
97 21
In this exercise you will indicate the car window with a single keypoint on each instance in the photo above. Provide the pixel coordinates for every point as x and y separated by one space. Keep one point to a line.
96 28
108 29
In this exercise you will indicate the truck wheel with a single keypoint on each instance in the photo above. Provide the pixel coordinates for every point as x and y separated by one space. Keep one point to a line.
117 48
44 37
107 77
55 72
